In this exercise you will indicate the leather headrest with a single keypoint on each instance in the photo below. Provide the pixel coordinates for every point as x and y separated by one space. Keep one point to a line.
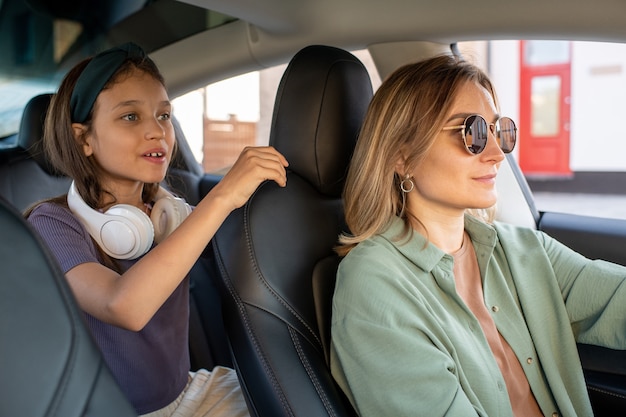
320 105
30 135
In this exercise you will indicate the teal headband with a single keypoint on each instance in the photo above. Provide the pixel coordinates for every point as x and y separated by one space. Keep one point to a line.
95 76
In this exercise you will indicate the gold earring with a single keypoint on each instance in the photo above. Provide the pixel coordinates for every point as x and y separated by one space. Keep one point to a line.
407 185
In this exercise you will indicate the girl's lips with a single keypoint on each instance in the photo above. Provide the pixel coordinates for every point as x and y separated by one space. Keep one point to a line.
156 155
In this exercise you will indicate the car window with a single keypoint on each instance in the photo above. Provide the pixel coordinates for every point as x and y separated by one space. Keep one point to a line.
571 161
222 118
565 98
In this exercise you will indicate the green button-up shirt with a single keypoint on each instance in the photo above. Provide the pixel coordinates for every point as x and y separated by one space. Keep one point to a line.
405 344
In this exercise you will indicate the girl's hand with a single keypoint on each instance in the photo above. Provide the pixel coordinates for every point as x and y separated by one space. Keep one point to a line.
254 165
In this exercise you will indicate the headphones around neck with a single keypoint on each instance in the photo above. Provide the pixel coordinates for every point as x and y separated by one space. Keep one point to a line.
126 232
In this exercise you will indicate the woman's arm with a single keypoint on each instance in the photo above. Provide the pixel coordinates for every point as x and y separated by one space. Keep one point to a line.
594 292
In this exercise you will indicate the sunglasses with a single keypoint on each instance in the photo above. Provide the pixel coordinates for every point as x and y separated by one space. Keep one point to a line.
475 131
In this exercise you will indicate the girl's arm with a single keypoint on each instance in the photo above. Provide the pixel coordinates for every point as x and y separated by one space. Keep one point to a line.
131 299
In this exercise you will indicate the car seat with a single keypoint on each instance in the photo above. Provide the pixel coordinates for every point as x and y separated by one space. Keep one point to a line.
275 254
184 173
26 176
49 363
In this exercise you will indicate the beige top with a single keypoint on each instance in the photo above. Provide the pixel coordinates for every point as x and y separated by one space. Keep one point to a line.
469 287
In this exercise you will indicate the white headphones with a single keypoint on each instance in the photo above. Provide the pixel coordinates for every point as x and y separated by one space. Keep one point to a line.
126 232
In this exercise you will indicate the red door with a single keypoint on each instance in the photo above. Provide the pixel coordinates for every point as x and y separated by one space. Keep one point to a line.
544 138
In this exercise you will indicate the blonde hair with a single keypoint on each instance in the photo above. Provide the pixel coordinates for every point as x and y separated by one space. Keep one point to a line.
403 120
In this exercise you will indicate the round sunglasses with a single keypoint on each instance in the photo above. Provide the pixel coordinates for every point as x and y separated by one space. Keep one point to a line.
475 131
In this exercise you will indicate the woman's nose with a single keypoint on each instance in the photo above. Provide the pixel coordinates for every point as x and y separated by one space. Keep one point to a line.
493 148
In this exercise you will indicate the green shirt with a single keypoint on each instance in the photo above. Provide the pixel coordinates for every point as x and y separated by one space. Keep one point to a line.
405 344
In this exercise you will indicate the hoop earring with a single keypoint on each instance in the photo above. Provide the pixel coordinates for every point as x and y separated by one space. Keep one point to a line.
407 188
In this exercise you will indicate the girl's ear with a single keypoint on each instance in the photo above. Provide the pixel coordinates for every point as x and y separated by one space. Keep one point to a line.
80 135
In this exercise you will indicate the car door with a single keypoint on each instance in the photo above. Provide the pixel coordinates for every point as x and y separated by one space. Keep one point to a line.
596 238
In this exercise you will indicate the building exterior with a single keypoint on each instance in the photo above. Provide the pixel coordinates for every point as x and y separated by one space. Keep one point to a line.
567 97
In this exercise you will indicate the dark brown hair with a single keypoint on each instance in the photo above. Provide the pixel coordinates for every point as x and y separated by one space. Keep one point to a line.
65 151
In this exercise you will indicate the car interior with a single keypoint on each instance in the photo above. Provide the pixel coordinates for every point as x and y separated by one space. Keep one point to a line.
261 292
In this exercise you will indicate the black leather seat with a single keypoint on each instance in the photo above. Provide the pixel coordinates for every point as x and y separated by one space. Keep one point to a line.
26 176
275 254
49 364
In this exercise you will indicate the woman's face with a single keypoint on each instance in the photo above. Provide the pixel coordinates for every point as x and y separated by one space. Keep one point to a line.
449 179
132 136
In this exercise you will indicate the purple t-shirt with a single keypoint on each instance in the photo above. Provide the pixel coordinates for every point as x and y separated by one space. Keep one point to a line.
152 365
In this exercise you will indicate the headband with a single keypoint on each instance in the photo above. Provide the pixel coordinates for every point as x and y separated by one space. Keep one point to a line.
95 76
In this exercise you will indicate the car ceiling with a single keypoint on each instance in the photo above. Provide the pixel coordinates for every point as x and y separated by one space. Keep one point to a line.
269 32
373 21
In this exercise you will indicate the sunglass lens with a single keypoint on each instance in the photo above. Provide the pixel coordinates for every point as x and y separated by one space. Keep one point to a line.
476 134
507 134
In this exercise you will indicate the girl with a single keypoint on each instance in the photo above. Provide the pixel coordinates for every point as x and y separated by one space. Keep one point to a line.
109 129
438 310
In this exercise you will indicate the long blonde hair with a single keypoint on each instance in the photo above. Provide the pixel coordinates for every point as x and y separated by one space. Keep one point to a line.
403 120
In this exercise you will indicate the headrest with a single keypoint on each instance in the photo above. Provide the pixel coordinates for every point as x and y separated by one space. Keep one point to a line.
30 135
320 105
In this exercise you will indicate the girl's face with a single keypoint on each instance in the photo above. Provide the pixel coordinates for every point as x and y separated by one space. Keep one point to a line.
132 136
449 179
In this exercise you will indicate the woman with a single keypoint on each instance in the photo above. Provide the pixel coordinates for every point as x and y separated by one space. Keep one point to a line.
109 129
438 310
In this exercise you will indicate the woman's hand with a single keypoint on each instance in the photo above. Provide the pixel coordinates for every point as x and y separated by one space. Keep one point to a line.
254 165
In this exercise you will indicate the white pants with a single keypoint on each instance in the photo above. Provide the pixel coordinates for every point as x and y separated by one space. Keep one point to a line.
208 394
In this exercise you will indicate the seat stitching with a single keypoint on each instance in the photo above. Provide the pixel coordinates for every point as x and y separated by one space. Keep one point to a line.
262 278
603 391
309 370
250 329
